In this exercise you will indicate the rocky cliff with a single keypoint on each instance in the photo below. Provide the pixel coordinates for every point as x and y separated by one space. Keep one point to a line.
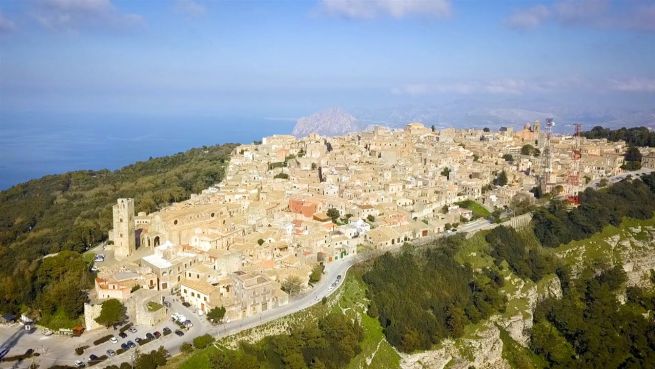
330 122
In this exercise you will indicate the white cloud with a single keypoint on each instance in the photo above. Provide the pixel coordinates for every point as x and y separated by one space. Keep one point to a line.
528 18
190 7
368 9
71 14
631 15
634 85
503 86
6 24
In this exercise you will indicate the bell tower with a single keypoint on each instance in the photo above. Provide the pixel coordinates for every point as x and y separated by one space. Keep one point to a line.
124 236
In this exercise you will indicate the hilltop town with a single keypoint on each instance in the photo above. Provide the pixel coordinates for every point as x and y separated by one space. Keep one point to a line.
289 204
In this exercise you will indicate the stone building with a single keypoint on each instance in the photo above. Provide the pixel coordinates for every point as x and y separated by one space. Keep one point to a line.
123 233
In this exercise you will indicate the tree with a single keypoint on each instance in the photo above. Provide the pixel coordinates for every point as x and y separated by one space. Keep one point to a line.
260 242
370 218
316 274
486 129
528 149
203 341
632 159
333 214
186 348
521 203
216 314
508 158
446 172
152 360
434 129
292 285
111 313
501 179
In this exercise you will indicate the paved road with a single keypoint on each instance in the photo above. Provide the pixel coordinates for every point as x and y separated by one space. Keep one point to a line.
60 350
619 177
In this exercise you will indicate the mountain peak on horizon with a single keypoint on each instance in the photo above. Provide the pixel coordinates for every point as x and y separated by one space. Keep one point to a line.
333 121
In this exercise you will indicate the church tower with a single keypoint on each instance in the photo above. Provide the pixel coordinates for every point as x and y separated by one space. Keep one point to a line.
124 237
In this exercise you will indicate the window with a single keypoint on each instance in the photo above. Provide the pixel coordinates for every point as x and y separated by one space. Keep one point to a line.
175 222
205 298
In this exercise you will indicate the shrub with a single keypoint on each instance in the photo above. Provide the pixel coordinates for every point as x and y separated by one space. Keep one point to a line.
102 340
203 341
186 348
80 350
126 327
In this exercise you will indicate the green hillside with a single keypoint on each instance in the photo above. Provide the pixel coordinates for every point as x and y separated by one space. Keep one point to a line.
72 211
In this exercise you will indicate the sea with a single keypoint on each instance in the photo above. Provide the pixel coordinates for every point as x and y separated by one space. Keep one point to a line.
34 145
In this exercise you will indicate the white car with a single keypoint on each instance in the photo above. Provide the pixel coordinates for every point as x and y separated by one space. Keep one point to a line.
114 340
79 364
47 332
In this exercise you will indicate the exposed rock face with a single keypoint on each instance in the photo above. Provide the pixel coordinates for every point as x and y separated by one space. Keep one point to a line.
486 348
331 122
484 351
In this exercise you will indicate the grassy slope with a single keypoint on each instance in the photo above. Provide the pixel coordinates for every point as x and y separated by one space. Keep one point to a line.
478 210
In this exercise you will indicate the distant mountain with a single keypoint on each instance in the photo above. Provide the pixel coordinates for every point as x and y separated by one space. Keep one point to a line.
330 122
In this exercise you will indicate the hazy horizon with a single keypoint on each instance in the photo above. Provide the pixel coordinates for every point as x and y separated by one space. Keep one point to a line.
105 63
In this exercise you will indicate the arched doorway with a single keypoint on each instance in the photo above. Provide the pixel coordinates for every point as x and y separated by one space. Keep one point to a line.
156 241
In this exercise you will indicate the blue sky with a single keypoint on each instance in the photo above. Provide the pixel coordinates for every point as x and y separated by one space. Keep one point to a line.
587 58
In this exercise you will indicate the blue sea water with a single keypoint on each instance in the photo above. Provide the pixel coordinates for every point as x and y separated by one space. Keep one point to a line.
32 146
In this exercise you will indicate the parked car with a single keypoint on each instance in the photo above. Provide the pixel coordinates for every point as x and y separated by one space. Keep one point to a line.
167 331
179 332
339 277
131 344
186 304
150 336
187 323
125 346
93 357
157 334
122 335
111 353
47 332
114 339
138 340
132 330
79 364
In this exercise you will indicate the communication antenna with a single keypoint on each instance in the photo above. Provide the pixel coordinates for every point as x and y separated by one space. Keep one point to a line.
546 166
574 173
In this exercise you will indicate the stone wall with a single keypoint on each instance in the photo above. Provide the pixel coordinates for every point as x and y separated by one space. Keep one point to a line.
91 312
